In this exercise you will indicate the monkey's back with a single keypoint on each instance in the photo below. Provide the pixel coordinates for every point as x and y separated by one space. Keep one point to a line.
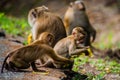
62 46
51 23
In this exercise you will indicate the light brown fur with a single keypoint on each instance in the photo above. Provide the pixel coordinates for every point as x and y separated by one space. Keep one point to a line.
73 44
41 19
26 56
76 16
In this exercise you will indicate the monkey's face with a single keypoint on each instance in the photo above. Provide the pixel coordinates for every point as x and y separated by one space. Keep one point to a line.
79 34
79 37
77 5
36 13
50 40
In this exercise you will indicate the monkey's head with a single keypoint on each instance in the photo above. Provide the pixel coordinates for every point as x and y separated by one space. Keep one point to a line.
77 5
47 37
35 13
79 34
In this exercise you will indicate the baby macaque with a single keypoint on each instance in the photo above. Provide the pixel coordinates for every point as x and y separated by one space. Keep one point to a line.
73 44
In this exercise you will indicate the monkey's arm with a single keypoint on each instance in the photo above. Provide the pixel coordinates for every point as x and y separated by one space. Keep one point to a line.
77 51
89 28
74 51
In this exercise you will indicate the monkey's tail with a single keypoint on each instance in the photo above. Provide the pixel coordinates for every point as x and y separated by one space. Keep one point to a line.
4 63
93 36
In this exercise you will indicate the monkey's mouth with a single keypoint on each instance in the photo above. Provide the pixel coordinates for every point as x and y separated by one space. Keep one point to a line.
80 41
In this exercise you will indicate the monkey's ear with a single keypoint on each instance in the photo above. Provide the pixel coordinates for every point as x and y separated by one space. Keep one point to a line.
71 4
43 6
50 38
81 6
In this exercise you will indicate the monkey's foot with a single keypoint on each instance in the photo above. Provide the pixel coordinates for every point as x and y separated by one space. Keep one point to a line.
41 72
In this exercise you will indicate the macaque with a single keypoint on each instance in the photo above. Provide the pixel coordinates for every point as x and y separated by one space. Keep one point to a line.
41 20
24 57
76 16
73 44
46 61
2 33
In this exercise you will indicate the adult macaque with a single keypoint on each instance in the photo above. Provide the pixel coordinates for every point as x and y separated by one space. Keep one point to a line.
26 56
41 20
73 44
76 16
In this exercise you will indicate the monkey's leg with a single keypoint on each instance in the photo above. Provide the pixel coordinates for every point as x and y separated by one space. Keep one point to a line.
87 40
21 64
63 61
50 63
11 67
58 58
35 68
39 62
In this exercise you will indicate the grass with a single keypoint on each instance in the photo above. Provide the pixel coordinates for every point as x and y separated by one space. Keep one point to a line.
106 41
104 66
14 26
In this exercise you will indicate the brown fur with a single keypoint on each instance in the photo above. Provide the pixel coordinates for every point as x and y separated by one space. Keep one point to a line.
41 19
76 16
26 56
73 44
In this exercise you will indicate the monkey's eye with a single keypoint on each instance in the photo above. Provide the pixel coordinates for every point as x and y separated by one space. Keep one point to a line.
34 15
73 33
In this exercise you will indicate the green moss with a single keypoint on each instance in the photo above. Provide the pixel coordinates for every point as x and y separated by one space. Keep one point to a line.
14 26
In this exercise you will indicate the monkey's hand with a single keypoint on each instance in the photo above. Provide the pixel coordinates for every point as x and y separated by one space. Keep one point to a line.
93 34
29 39
86 47
78 51
68 65
90 52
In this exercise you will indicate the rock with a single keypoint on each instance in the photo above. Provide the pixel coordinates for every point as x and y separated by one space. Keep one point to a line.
2 33
54 74
6 46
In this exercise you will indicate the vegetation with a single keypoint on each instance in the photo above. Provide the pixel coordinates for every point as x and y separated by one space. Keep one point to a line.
101 66
14 26
106 41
